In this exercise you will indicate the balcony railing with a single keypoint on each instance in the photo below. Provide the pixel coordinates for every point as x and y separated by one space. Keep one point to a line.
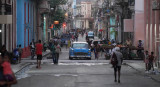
44 6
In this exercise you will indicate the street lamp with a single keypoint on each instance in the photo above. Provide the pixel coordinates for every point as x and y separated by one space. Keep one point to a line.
52 9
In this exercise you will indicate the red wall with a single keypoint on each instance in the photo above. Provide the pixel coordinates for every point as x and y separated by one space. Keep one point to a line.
151 17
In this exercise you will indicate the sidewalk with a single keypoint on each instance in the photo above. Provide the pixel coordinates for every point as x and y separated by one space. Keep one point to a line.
18 67
140 67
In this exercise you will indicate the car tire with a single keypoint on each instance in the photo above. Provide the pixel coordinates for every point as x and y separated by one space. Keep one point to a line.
70 58
89 58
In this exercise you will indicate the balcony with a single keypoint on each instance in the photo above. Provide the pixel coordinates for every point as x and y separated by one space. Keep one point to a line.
44 6
79 15
6 19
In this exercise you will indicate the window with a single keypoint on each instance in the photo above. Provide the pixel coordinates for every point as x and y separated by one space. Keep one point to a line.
80 45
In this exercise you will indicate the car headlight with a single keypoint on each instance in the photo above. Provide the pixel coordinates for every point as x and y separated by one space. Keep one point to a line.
72 50
89 50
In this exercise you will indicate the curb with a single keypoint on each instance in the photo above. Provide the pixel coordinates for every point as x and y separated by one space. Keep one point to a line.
23 67
27 64
46 54
133 67
142 73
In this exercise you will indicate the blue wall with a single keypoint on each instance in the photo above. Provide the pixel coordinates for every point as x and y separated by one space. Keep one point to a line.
21 22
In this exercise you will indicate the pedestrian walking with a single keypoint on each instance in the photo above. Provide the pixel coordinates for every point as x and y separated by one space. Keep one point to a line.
59 41
76 37
15 58
44 47
146 60
53 53
139 51
95 54
32 48
57 52
116 61
20 53
73 38
39 49
69 43
102 50
66 43
151 60
96 51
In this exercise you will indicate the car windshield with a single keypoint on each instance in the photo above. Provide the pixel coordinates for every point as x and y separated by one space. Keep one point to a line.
80 45
90 33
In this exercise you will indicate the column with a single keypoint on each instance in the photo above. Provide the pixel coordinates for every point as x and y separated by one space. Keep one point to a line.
3 25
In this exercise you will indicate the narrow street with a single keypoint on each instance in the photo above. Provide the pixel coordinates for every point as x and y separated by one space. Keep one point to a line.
82 76
79 43
80 73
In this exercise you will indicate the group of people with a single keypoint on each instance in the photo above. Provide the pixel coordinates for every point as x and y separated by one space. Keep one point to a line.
15 56
67 44
149 60
55 49
75 37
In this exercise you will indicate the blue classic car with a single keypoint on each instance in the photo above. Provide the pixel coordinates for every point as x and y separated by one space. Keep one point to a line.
79 50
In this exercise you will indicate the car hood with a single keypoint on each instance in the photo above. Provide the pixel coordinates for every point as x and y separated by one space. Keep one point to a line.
90 35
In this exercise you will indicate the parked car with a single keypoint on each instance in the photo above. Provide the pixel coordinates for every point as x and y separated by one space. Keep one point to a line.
79 50
90 34
64 37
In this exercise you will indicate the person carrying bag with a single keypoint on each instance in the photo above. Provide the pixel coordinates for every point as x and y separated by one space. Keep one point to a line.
116 61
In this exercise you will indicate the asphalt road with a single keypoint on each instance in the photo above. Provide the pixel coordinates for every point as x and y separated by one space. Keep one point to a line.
80 74
83 75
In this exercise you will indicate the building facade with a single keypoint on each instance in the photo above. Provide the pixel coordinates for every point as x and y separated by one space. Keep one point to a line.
7 24
86 12
31 23
21 21
43 32
152 27
26 22
83 16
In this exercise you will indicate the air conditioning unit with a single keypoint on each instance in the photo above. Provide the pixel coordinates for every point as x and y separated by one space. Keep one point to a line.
9 2
155 5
